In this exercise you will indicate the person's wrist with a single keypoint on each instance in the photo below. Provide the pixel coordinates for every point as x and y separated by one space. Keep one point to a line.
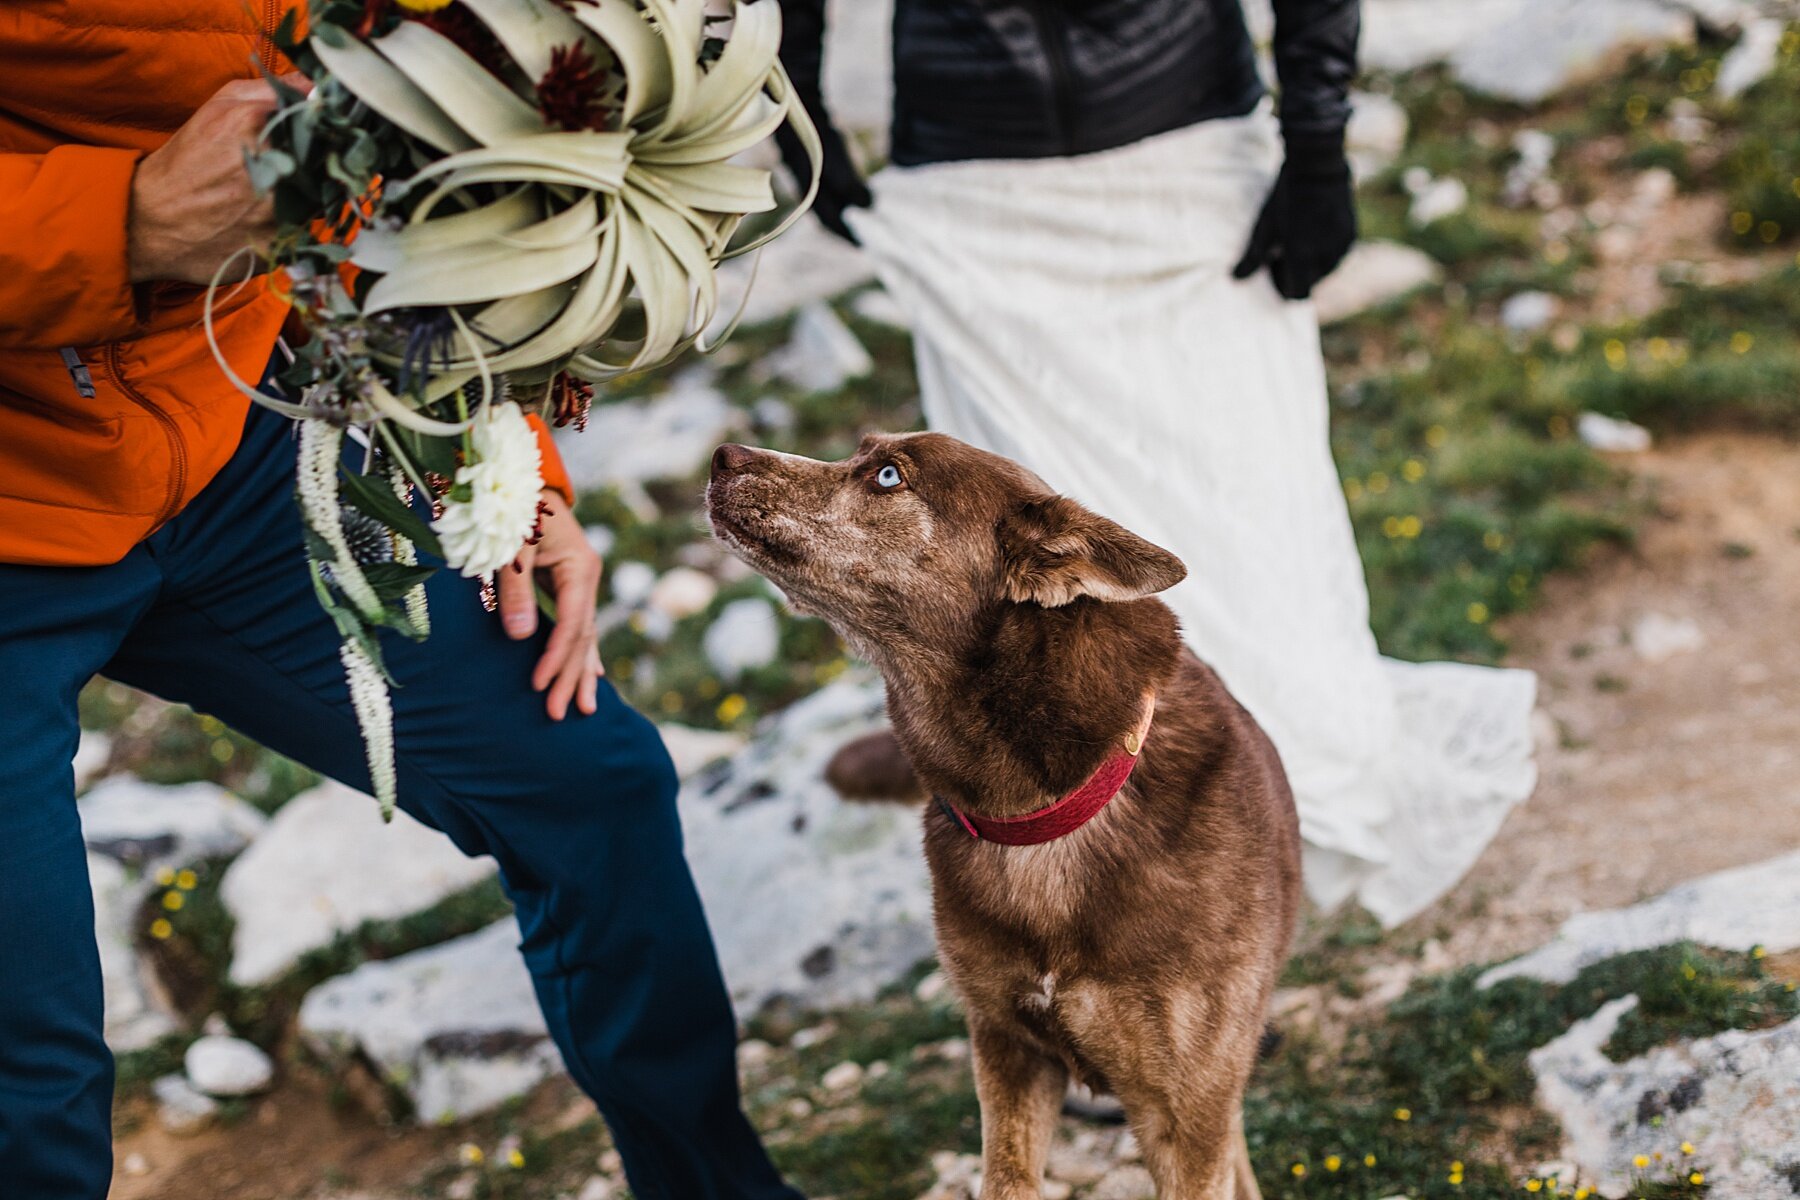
147 251
1316 154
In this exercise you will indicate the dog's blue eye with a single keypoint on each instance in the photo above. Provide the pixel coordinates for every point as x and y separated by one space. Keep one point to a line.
888 476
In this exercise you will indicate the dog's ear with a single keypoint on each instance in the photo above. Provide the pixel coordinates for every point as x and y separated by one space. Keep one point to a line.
1054 551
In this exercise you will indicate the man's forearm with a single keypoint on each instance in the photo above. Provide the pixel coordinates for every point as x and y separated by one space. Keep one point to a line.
1315 61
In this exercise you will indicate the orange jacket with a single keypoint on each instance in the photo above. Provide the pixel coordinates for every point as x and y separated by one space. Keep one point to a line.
113 414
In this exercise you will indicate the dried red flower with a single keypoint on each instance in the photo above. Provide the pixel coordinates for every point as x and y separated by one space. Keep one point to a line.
570 400
570 93
472 37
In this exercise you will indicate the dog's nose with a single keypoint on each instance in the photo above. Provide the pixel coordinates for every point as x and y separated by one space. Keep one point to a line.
731 457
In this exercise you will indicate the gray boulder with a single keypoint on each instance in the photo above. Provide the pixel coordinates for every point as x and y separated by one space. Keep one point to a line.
1548 45
1737 909
669 436
325 865
811 898
148 825
1374 273
744 636
1734 1097
455 1027
137 1011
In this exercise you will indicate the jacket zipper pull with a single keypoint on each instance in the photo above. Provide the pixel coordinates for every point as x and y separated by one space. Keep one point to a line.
84 381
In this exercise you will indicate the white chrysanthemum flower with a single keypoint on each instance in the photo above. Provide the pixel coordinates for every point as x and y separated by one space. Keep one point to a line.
503 479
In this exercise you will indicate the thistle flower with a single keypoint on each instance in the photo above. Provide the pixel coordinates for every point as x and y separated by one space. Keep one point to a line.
572 92
492 506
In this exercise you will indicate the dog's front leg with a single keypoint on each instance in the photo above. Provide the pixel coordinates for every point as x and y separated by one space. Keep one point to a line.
1021 1093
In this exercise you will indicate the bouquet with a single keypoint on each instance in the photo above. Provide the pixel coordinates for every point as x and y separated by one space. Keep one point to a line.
485 208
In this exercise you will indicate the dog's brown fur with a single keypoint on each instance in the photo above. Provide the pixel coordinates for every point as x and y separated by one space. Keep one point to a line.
1019 637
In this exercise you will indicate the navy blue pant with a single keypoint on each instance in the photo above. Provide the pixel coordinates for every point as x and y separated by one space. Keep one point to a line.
216 610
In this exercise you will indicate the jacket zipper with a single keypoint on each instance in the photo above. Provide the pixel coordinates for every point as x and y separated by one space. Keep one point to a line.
1053 30
178 453
265 48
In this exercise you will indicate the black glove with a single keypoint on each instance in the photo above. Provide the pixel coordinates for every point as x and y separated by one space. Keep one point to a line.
1308 222
841 185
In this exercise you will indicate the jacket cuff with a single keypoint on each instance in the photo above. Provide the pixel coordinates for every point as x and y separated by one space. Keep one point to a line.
1315 153
556 474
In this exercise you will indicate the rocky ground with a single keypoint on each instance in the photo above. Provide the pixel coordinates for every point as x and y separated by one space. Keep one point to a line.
1567 388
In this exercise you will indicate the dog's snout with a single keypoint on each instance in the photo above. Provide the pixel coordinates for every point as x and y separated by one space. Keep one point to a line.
731 457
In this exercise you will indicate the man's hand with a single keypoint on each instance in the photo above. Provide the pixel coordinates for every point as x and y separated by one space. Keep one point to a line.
570 667
1308 223
192 203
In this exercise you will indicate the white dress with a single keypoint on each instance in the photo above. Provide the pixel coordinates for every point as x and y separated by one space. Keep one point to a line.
1079 316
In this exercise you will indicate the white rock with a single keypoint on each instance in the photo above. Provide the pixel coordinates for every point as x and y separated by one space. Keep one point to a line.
1528 312
457 1027
601 538
809 897
1686 121
754 1054
599 1187
744 636
1436 199
631 582
1610 435
773 414
958 1176
1056 1189
681 592
1129 1182
1401 35
879 306
147 824
227 1066
325 865
1735 1096
803 266
180 1108
134 1166
137 1011
842 1078
669 436
1752 60
696 749
822 355
1658 636
91 756
1549 45
1757 905
1374 273
932 988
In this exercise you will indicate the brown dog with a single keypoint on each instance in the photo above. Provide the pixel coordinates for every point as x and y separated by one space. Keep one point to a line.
1130 939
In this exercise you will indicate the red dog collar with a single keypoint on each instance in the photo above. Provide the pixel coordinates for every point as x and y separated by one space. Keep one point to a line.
1068 814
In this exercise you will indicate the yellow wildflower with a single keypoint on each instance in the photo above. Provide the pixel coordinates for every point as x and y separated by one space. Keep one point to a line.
1477 613
1403 1114
186 880
1759 952
173 901
1299 1170
1616 356
1436 436
515 1158
1412 471
1687 1147
1369 1160
161 929
1378 482
1333 1162
731 708
166 877
1641 1161
1697 1178
471 1154
1353 489
1534 1185
1741 341
1411 527
1741 222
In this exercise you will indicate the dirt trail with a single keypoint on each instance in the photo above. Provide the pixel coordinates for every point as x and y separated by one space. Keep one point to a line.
1657 770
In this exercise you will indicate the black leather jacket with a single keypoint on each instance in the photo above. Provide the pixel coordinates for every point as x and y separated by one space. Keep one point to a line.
1040 78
